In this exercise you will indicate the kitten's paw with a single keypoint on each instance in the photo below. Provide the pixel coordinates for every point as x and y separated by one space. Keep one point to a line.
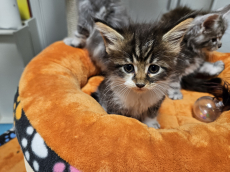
175 94
218 67
151 122
155 125
68 41
75 42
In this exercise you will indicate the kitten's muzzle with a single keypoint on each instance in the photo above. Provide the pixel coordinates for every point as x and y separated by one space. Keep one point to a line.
219 45
140 85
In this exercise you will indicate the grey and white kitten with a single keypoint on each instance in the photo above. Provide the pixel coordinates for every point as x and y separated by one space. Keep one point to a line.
141 61
110 11
203 36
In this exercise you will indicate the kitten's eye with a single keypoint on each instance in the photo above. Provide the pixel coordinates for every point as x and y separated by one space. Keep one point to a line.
154 69
128 68
214 39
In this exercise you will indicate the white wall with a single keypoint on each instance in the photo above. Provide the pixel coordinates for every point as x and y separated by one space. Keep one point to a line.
11 67
51 20
226 38
18 47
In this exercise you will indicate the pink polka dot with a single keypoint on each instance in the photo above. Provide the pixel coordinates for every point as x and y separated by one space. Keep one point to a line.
72 169
59 167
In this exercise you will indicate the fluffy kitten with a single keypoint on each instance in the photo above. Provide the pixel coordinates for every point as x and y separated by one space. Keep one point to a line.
141 61
110 11
203 36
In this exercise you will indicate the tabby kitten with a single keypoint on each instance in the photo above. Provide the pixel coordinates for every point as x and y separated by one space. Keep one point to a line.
203 36
141 60
110 11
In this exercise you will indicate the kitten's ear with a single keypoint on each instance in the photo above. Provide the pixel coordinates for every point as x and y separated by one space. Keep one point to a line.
210 21
225 11
207 21
174 37
110 36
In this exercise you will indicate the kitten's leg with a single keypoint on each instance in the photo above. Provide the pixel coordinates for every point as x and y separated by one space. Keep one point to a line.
212 69
150 116
151 122
84 27
174 92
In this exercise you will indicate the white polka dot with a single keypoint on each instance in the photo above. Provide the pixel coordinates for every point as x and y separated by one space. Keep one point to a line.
36 166
24 143
29 130
27 155
38 146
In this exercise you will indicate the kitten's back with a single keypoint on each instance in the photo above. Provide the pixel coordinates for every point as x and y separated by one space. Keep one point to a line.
179 14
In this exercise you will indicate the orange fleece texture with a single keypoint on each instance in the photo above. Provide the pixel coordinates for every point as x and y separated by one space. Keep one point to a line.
77 128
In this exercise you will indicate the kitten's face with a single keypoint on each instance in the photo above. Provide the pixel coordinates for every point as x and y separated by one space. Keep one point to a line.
213 43
142 58
142 71
208 30
143 76
210 33
210 39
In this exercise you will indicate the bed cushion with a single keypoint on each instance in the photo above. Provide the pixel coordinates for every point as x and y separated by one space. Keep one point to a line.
66 129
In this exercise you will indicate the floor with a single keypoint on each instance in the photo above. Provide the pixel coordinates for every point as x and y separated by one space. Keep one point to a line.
11 157
5 127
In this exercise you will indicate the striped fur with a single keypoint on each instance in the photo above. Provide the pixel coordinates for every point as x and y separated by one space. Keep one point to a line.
203 36
86 36
152 55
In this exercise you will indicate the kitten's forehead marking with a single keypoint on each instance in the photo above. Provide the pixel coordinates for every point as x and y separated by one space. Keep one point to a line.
128 60
137 47
147 53
149 59
149 43
135 68
134 59
142 51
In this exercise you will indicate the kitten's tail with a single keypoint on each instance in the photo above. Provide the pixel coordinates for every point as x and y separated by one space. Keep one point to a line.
211 86
219 88
224 96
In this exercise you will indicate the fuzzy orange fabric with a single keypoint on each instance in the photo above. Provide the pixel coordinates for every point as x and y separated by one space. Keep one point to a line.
77 128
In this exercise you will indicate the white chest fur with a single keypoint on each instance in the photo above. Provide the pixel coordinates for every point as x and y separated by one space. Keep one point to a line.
137 103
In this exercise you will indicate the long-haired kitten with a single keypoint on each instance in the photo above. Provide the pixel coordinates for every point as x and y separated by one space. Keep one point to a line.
203 36
141 60
86 36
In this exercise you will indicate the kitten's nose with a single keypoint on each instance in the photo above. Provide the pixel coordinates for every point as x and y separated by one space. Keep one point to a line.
140 85
219 45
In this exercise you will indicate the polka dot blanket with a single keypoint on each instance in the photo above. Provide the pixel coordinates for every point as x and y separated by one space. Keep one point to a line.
35 150
61 128
7 136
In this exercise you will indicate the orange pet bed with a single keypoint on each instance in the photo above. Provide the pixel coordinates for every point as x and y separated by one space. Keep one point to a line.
61 128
